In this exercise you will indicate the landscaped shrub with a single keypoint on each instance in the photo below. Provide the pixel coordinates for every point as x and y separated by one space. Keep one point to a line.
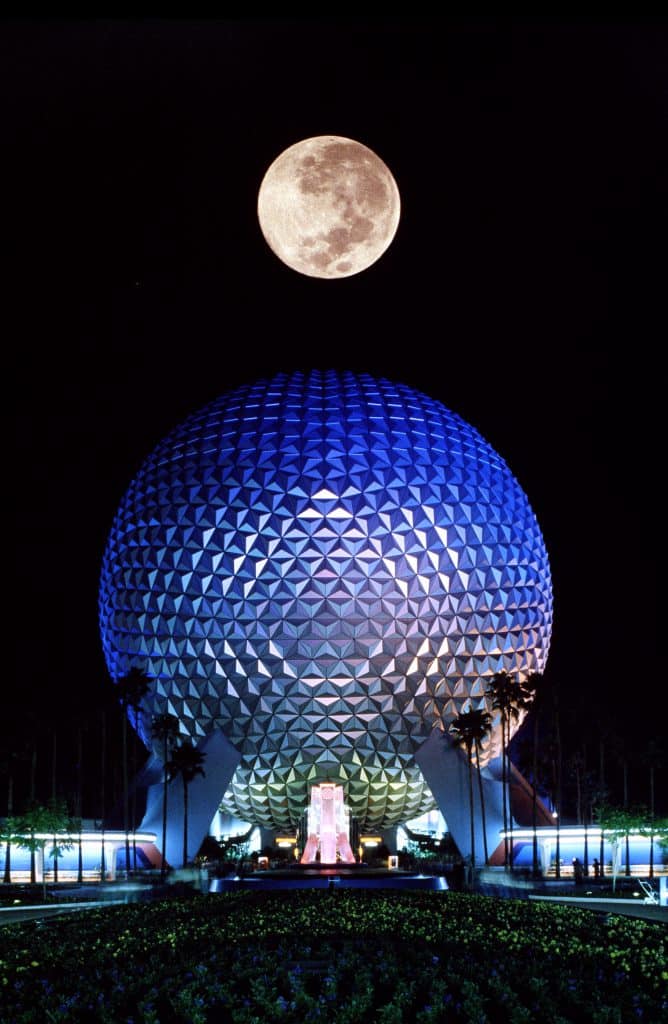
337 957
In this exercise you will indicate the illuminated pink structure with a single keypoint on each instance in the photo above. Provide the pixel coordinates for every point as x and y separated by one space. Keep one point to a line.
327 826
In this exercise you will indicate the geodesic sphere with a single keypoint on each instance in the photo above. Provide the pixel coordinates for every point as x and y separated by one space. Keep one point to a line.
324 566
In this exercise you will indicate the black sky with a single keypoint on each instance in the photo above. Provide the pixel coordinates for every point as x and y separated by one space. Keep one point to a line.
524 288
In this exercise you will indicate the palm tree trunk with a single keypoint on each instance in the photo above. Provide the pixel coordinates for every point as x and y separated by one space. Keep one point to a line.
103 770
511 844
54 758
469 752
601 854
43 871
10 810
482 804
625 770
504 787
134 799
601 786
163 865
126 811
558 738
79 800
33 777
54 761
185 822
534 800
651 818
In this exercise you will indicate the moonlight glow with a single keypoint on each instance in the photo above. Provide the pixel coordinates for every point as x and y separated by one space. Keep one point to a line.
328 207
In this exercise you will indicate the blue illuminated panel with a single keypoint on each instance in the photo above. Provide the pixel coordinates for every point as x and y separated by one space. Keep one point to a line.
324 565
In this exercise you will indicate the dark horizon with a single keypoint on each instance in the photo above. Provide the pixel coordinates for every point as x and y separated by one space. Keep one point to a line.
521 290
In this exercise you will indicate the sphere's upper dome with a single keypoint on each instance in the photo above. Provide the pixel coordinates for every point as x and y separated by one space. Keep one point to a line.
324 566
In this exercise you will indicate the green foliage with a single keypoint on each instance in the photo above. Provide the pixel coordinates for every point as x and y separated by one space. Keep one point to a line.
10 829
54 824
661 832
618 822
347 957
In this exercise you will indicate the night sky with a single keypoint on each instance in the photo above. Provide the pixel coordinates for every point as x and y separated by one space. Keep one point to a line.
523 287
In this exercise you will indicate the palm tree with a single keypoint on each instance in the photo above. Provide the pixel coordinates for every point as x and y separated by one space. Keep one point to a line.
132 688
554 754
58 821
588 793
164 729
469 729
9 755
508 697
78 796
32 790
535 691
54 798
618 744
186 761
9 832
653 758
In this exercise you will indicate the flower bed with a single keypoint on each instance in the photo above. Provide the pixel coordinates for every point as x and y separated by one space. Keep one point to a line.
337 957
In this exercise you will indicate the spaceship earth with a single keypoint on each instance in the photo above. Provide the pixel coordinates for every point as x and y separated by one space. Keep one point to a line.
325 566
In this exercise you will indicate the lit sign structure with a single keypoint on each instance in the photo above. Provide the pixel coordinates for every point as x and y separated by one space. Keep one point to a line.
328 827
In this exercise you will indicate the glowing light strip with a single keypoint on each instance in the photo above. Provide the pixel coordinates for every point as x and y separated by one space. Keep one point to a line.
88 837
566 833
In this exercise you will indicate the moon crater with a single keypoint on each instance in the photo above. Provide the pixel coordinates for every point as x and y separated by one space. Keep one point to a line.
328 207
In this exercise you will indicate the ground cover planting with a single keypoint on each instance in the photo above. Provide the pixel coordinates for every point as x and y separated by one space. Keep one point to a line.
343 957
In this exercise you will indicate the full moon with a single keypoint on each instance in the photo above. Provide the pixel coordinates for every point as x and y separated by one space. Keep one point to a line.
328 207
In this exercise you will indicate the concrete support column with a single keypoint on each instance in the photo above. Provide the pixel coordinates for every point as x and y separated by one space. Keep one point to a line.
545 855
112 859
445 768
204 796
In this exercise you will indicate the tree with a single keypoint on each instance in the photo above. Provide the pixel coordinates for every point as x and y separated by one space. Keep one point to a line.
653 757
619 746
508 697
164 730
32 828
616 824
555 753
103 776
106 702
60 825
78 796
186 761
535 691
132 688
469 730
39 825
9 832
660 833
10 753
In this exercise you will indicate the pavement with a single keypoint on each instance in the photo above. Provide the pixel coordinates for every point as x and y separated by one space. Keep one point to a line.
625 907
88 896
78 898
